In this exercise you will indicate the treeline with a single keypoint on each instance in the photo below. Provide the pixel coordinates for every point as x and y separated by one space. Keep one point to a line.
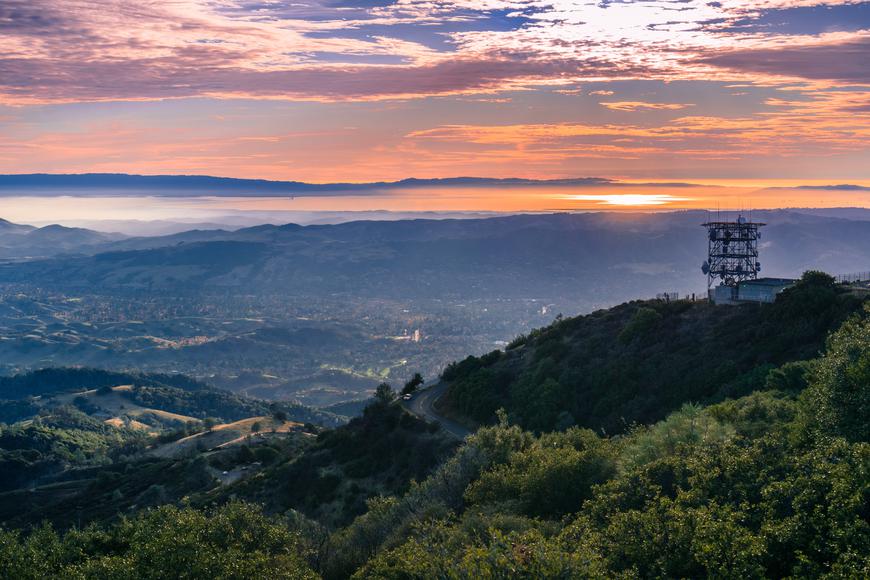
636 363
60 380
773 484
175 393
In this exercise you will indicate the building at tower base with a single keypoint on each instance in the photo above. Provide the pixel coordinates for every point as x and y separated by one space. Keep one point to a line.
763 290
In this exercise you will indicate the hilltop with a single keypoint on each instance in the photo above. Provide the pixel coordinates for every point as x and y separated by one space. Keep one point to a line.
641 360
104 393
19 241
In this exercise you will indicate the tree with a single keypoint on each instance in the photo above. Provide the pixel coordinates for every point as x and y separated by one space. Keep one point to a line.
643 321
790 377
817 278
837 401
385 394
256 427
413 384
233 541
246 455
209 423
550 478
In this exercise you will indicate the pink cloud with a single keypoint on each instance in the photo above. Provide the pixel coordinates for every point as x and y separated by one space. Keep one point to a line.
192 72
640 105
61 51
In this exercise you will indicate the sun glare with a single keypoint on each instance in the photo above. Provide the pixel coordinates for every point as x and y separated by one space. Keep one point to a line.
628 199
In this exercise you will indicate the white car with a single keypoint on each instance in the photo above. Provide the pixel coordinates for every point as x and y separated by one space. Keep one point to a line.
406 397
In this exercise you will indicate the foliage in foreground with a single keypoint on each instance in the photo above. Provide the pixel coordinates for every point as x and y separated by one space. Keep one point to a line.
766 486
709 502
235 541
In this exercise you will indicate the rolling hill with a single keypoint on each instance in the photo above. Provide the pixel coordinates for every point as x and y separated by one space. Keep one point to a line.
74 436
28 242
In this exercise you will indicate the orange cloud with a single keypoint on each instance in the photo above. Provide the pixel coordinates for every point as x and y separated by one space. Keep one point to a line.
829 125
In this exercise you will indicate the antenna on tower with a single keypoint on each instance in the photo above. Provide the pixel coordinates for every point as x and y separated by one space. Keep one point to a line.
732 251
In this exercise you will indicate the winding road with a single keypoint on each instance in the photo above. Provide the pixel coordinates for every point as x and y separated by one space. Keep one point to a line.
423 405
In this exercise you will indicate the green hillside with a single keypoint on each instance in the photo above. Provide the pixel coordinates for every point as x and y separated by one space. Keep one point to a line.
637 362
376 454
88 444
68 467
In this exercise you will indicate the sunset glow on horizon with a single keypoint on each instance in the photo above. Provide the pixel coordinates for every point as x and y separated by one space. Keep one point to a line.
760 100
71 209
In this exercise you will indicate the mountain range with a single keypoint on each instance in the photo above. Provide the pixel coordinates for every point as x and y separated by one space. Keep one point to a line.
186 185
582 256
19 241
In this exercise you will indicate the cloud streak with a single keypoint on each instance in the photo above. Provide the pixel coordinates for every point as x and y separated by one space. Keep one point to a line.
640 105
437 88
77 50
846 61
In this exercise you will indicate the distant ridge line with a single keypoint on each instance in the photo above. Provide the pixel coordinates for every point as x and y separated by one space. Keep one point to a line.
211 185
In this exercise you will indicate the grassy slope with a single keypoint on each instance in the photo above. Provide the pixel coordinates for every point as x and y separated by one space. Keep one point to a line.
378 453
226 435
88 455
166 473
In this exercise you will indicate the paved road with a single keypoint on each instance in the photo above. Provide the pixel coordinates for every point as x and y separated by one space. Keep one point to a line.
423 405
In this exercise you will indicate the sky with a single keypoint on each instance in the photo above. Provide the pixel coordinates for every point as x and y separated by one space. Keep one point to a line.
760 93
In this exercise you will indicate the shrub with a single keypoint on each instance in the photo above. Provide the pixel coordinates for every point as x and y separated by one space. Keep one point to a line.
643 321
837 402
